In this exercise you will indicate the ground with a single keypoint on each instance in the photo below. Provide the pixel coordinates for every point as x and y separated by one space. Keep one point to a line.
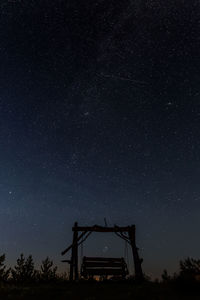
97 291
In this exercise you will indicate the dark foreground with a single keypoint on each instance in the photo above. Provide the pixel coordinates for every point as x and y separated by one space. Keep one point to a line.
97 291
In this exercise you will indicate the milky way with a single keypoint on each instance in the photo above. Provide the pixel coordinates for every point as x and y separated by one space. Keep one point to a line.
99 117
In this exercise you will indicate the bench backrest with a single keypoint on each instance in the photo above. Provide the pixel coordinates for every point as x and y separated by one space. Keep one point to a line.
106 266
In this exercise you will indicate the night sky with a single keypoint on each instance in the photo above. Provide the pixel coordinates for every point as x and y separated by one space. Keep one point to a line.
100 117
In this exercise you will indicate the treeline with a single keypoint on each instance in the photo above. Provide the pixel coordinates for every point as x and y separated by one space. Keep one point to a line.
24 271
189 271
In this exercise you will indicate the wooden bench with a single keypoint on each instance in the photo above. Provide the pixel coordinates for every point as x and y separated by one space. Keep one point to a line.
103 266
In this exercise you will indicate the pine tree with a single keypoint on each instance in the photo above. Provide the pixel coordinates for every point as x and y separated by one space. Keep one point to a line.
165 276
48 272
4 274
190 268
24 270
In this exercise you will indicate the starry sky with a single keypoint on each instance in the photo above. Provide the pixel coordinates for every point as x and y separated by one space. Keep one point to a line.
100 118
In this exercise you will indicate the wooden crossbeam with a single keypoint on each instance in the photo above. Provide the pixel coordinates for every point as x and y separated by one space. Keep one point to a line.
67 261
97 228
113 259
104 271
102 264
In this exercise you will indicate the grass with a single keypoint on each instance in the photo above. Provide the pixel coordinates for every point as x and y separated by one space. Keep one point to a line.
100 291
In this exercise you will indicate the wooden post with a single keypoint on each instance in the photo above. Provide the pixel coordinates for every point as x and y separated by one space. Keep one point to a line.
71 275
74 256
137 261
75 241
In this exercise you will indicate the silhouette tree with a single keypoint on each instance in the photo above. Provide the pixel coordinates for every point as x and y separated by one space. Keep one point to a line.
4 274
48 272
24 270
190 268
165 276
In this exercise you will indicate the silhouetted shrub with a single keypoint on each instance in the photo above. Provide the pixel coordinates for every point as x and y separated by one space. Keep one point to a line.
4 273
47 271
165 276
24 270
190 269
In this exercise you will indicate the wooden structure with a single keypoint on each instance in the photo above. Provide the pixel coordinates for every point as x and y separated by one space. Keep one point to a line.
126 233
103 266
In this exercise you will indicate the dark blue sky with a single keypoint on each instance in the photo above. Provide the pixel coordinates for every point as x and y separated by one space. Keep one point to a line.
100 117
